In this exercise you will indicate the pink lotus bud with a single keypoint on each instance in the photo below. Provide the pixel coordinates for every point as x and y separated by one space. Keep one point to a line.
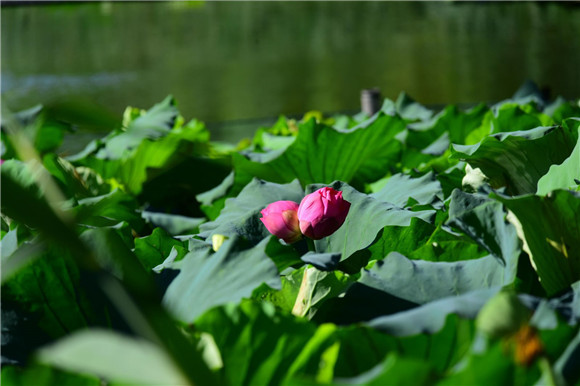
321 213
281 220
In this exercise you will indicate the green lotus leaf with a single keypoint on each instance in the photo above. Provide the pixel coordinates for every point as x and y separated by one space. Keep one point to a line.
411 110
112 356
152 250
44 300
321 154
257 344
424 241
510 159
451 120
154 154
395 371
241 215
400 188
174 224
562 109
509 117
484 221
567 174
45 375
550 228
155 123
261 346
435 280
109 210
207 280
431 317
565 365
366 217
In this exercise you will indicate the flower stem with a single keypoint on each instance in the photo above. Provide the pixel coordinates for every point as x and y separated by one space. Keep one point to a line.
547 371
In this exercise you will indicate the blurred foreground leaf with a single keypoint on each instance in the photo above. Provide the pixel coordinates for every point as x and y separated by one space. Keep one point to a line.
112 356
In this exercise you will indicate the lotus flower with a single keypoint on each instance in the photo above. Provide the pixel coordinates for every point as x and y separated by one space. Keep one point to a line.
280 218
321 213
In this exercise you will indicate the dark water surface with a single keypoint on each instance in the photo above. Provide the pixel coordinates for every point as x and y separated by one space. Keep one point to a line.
237 64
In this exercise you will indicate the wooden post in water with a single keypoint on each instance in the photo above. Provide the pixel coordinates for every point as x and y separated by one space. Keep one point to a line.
370 100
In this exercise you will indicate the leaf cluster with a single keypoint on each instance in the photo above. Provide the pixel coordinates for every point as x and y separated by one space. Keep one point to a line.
142 258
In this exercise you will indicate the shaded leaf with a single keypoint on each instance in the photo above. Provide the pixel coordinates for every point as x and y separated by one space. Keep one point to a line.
411 110
136 293
484 220
213 200
174 224
153 124
567 364
257 345
456 123
45 375
109 210
15 257
550 227
424 241
152 250
48 300
431 317
508 117
394 371
155 155
435 280
491 366
69 180
510 159
322 261
316 287
567 174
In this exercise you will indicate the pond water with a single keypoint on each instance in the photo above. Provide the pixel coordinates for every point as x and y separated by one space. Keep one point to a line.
238 65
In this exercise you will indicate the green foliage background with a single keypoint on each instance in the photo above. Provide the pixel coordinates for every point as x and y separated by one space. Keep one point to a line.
457 263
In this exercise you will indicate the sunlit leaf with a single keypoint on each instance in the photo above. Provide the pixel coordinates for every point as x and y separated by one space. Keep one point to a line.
207 280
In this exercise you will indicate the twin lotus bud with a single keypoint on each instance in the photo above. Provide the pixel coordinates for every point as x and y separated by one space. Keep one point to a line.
319 215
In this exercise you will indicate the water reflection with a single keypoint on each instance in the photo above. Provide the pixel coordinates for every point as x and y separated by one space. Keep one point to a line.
60 85
255 60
